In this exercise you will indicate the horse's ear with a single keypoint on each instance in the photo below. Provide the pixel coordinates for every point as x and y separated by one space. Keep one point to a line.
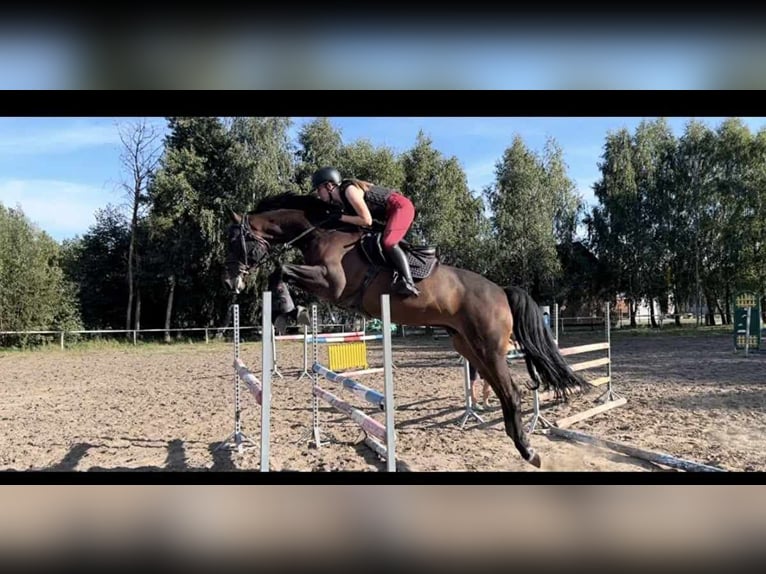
234 216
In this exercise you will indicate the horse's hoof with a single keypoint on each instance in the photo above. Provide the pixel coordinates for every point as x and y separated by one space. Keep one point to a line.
280 324
303 317
534 460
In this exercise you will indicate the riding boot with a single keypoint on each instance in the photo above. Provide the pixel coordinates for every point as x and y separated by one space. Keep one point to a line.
404 284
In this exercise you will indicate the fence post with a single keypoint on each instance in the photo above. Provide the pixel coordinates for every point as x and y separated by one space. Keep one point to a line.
206 338
62 340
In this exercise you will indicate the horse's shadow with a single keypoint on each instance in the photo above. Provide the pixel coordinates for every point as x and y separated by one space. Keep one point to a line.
175 460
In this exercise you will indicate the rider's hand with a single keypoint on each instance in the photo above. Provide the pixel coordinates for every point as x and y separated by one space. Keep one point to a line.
334 213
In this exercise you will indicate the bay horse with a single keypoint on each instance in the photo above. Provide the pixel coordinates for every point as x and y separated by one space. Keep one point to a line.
341 268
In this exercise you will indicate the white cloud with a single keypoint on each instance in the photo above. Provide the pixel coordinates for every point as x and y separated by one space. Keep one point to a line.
61 208
58 140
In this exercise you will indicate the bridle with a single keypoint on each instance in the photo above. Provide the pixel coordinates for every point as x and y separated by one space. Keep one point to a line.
267 252
245 234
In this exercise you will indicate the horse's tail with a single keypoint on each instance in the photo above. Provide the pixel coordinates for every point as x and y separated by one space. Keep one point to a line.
545 363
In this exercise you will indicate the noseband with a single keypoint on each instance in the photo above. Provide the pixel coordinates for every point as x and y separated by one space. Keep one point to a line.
246 233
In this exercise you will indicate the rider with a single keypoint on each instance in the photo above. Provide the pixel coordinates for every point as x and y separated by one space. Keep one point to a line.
362 201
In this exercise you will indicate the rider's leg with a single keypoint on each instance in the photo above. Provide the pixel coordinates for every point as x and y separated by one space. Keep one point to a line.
400 216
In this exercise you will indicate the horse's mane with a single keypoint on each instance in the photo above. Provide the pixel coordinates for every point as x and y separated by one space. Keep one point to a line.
314 208
290 200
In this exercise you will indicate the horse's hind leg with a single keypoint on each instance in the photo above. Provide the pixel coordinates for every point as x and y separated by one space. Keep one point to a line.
490 360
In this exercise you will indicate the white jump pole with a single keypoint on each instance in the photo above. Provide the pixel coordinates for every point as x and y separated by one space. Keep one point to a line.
274 368
388 390
266 367
315 378
651 456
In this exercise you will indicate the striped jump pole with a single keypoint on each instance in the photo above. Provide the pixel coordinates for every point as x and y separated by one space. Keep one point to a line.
249 379
261 390
368 394
376 431
323 337
344 338
369 424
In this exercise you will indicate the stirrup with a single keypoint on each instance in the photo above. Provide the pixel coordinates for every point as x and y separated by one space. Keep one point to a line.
403 288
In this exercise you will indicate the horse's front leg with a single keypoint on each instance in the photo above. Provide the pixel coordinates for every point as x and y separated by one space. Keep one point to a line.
314 279
319 280
282 303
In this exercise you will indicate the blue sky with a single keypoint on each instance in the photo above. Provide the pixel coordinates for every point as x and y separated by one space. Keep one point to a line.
61 170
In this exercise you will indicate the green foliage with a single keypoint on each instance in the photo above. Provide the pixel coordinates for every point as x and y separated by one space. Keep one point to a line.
34 292
533 205
361 160
681 218
97 264
675 217
263 159
188 194
319 145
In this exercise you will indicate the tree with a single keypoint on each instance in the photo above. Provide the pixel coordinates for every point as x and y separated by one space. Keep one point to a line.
265 160
434 184
756 245
733 210
567 210
615 223
472 237
653 153
524 207
362 160
190 194
140 154
693 178
263 165
97 264
34 292
319 145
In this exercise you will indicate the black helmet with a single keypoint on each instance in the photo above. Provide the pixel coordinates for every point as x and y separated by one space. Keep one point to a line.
325 174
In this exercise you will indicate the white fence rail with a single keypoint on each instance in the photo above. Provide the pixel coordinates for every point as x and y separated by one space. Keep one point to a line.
62 334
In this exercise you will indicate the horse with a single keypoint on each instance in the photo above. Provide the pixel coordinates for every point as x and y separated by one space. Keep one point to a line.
343 267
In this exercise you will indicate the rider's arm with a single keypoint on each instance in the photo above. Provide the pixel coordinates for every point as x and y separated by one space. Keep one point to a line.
355 197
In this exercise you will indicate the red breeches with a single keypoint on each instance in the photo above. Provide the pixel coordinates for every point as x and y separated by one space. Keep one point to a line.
401 213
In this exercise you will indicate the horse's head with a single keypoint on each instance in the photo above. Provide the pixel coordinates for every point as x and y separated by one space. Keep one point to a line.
243 250
276 220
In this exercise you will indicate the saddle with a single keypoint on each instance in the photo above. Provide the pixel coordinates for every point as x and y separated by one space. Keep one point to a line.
422 258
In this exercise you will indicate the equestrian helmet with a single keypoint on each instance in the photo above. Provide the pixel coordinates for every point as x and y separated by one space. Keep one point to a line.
323 175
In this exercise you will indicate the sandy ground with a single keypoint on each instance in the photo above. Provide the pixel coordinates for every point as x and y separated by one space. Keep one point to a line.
168 408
